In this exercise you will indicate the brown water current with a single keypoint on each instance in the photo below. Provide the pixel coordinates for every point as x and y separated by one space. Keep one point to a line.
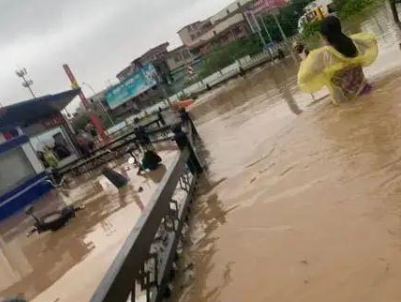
302 201
305 207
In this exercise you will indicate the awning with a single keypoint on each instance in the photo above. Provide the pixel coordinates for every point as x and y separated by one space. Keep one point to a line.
34 110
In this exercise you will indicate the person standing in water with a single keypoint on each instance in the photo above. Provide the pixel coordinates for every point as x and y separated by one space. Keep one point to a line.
338 65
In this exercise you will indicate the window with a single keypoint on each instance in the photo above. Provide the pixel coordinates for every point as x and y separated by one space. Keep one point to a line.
18 167
193 37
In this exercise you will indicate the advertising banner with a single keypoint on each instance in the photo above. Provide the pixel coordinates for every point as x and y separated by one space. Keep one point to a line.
142 80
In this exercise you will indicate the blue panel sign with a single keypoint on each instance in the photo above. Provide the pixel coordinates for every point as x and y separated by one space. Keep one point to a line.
141 81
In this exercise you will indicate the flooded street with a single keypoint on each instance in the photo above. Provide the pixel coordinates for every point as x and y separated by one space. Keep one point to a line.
302 208
68 265
302 200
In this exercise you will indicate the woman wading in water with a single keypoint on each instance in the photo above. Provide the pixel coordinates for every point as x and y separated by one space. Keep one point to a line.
338 65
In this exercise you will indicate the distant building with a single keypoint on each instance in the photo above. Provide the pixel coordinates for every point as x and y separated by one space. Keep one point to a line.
142 84
96 102
227 25
156 54
179 57
263 7
166 64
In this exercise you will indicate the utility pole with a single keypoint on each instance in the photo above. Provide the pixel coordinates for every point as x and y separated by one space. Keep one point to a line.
27 83
255 26
94 118
265 28
285 39
101 103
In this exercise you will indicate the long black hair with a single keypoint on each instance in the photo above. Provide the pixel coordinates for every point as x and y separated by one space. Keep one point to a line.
332 31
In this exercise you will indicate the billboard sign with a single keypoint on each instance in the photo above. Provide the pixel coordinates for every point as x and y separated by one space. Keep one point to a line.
265 6
142 80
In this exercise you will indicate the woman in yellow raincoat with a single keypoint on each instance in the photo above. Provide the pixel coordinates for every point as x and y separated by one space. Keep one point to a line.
338 65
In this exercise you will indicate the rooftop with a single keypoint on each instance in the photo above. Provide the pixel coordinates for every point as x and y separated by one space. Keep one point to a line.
35 109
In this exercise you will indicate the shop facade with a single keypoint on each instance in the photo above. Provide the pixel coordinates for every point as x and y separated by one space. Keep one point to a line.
28 129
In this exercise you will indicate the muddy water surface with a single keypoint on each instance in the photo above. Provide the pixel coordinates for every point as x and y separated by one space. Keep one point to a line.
68 265
304 207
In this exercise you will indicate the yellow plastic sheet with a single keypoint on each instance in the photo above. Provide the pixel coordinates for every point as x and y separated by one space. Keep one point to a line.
322 64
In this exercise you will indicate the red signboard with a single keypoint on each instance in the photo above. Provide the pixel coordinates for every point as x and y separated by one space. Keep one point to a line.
52 121
264 6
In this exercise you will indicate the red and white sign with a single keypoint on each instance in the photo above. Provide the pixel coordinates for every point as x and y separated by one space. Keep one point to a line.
52 121
265 6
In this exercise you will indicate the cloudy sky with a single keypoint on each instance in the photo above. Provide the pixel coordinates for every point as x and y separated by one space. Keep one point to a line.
97 38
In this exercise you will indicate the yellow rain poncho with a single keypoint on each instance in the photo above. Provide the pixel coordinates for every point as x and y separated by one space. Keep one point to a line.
324 65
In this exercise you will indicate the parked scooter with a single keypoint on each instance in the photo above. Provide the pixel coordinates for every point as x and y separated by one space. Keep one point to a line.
52 221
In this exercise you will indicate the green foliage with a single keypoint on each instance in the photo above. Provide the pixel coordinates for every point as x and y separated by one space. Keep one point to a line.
288 17
347 9
223 56
80 121
311 30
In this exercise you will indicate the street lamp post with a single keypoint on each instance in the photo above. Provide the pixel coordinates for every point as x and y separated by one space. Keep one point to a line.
27 83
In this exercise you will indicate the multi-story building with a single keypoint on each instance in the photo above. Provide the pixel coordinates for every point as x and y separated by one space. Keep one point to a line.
154 55
151 90
179 57
227 25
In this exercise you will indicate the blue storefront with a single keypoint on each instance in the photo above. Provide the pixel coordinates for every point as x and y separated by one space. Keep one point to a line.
22 175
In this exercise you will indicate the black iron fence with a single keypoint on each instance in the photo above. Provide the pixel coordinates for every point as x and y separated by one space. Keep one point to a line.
117 148
145 264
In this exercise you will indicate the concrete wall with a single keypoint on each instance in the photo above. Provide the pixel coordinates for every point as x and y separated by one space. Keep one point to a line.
31 155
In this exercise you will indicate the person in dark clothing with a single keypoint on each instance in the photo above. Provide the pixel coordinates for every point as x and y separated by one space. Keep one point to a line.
142 137
61 151
151 161
182 142
161 118
186 118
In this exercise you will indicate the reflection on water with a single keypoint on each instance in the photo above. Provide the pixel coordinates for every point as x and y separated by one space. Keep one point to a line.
31 266
309 206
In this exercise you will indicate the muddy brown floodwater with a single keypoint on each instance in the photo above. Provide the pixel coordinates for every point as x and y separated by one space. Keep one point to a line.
300 208
302 202
68 265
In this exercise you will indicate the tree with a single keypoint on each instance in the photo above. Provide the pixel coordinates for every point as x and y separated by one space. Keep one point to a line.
222 56
288 17
80 121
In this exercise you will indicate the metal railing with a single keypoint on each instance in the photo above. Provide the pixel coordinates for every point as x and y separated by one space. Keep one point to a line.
145 264
117 148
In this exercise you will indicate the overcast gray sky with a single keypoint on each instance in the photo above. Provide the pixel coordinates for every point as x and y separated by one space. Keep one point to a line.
97 38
